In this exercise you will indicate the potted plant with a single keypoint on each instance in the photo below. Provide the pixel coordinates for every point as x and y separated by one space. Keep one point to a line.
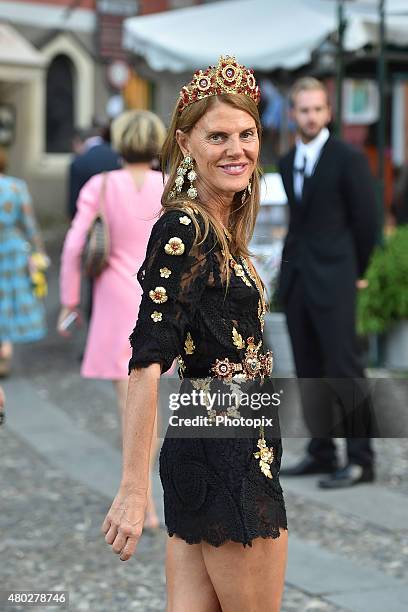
383 305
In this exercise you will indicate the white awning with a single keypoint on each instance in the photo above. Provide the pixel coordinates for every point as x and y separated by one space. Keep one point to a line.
263 34
15 50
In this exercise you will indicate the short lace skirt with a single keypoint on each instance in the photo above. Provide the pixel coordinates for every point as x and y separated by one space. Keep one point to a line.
215 490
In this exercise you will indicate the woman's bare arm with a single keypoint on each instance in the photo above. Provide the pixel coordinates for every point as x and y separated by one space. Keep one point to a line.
124 521
138 422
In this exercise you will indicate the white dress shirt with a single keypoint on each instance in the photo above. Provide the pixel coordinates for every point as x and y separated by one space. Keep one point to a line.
306 158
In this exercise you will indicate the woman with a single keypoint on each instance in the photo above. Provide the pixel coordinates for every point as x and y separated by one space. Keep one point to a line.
204 303
130 198
22 317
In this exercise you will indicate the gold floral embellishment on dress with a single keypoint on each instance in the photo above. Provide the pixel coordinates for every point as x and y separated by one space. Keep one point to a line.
265 456
262 306
158 295
204 385
237 339
181 365
165 272
189 345
156 316
174 246
261 314
185 220
239 271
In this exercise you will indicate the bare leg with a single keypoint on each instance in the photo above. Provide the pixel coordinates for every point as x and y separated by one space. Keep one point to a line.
250 578
189 587
152 520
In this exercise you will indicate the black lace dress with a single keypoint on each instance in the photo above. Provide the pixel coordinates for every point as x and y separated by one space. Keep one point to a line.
214 489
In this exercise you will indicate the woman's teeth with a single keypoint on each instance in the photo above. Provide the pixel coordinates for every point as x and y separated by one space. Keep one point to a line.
234 169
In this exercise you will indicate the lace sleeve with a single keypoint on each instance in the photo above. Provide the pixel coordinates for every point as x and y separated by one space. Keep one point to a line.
173 277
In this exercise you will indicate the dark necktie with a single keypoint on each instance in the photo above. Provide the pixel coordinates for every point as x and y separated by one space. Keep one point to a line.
302 172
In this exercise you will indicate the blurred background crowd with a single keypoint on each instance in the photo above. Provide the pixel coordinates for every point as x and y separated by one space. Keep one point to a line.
69 67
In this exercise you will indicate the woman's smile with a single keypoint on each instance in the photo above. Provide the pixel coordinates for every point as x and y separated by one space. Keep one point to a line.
234 169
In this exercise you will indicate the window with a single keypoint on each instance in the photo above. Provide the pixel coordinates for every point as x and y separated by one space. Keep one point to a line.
60 105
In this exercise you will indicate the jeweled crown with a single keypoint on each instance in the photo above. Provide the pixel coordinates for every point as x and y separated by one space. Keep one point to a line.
226 77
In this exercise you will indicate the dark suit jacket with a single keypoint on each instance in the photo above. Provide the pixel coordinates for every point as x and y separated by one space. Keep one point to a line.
100 158
333 231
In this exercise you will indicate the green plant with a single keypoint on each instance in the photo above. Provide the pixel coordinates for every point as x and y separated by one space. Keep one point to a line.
385 300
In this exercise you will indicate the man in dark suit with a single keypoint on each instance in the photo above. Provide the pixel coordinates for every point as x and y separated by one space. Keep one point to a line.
332 232
94 156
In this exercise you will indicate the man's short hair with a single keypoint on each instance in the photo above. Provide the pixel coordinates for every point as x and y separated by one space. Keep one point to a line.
307 83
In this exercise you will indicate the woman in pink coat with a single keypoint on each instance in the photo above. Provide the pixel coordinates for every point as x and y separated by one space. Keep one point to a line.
131 205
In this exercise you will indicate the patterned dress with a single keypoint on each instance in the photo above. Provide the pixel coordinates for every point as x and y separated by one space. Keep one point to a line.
215 488
21 313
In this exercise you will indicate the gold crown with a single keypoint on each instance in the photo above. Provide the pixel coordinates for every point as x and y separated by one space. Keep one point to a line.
227 77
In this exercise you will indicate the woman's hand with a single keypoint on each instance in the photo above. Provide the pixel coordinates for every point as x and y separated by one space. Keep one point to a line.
123 524
64 313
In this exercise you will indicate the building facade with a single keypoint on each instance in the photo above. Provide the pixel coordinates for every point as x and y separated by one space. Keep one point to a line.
61 61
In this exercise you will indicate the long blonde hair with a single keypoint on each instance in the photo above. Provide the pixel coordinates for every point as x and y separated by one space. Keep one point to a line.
243 214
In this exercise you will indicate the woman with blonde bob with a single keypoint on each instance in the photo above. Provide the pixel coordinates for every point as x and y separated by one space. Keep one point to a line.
130 201
203 303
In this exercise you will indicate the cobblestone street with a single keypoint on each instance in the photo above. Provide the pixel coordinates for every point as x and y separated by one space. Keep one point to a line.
60 466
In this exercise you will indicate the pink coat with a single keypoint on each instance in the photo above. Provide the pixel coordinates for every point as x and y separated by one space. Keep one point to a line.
131 215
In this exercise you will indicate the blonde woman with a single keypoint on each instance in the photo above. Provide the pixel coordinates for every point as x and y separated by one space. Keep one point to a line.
131 205
204 303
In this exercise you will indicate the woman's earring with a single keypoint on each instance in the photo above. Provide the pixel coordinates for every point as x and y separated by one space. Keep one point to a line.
186 167
192 175
247 191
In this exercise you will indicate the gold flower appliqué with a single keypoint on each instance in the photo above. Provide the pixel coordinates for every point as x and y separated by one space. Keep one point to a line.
165 272
175 246
189 345
237 339
239 271
185 220
265 456
158 295
156 316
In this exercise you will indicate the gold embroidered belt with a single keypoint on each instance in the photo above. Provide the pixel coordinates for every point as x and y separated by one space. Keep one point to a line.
252 365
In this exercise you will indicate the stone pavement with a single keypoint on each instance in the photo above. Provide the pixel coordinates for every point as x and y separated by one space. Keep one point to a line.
60 469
